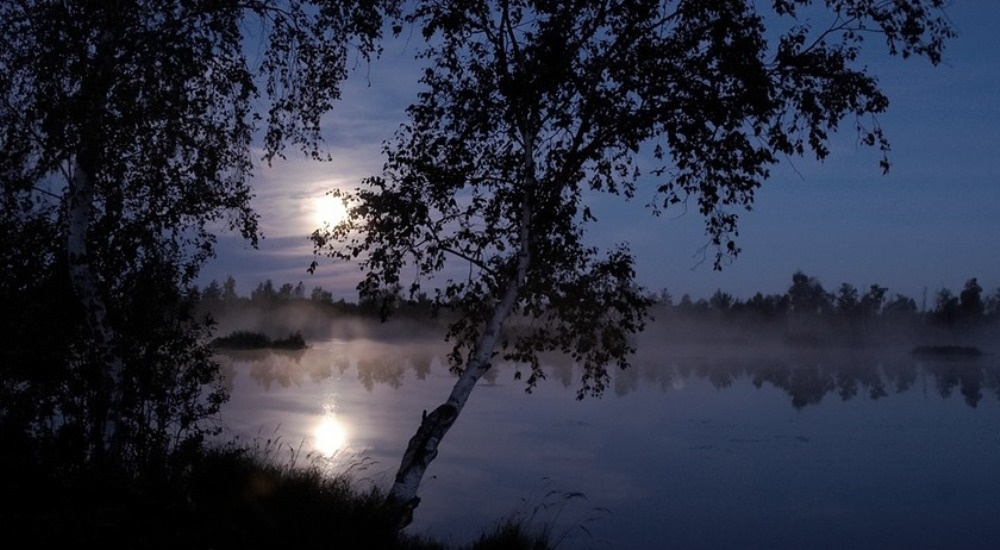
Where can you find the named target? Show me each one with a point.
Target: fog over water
(714, 438)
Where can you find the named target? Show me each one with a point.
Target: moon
(328, 210)
(329, 435)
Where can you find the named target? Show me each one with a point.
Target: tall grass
(551, 518)
(261, 494)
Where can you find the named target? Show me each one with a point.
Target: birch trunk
(105, 415)
(106, 411)
(423, 446)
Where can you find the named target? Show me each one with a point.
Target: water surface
(691, 448)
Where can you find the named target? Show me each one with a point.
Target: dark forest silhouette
(806, 315)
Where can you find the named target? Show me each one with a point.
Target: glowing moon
(329, 436)
(328, 210)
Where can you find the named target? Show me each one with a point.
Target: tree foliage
(530, 108)
(126, 142)
(543, 103)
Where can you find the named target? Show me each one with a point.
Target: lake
(693, 447)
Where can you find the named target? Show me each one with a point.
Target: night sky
(931, 223)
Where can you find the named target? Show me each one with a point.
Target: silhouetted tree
(320, 295)
(900, 310)
(212, 292)
(807, 297)
(125, 139)
(870, 305)
(721, 301)
(771, 306)
(285, 292)
(229, 293)
(264, 295)
(847, 301)
(991, 306)
(946, 310)
(970, 303)
(529, 106)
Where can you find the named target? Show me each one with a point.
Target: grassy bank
(228, 497)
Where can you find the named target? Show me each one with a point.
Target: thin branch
(45, 192)
(469, 259)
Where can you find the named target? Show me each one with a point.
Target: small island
(249, 340)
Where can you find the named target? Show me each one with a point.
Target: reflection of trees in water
(389, 366)
(375, 364)
(422, 364)
(806, 378)
(664, 377)
(383, 369)
(281, 370)
(284, 368)
(966, 377)
(806, 383)
(625, 381)
(560, 367)
(266, 366)
(901, 373)
(854, 376)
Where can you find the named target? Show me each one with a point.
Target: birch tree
(126, 133)
(528, 108)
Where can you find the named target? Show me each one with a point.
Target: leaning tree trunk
(423, 446)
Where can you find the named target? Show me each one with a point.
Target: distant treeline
(276, 311)
(217, 297)
(806, 298)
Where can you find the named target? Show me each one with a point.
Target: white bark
(84, 282)
(106, 415)
(423, 446)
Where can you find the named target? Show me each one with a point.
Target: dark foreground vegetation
(233, 496)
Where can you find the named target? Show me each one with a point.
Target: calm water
(728, 448)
